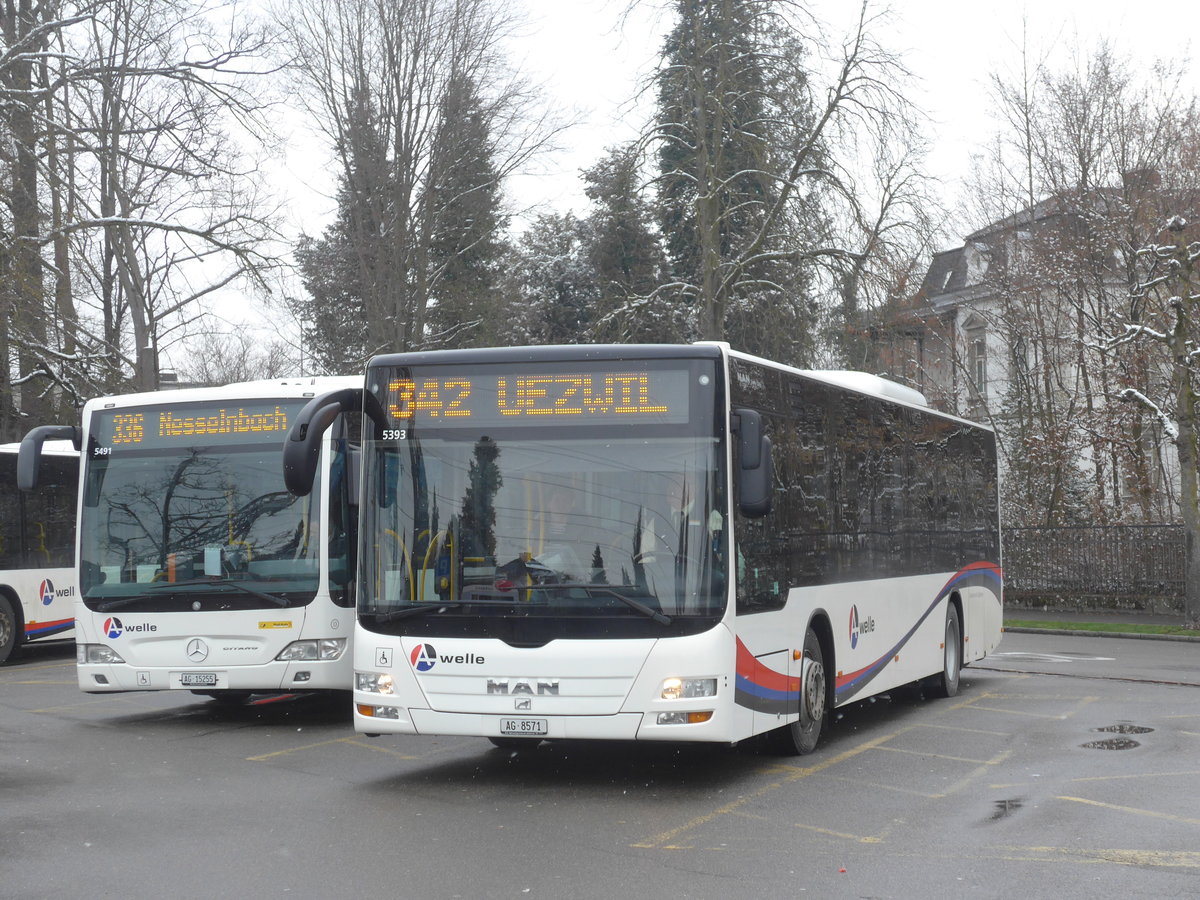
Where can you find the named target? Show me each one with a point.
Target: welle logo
(113, 628)
(48, 592)
(859, 627)
(424, 658)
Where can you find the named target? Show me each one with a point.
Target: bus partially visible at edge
(37, 546)
(197, 570)
(657, 542)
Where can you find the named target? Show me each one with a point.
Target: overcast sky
(589, 62)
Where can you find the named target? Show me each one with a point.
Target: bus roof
(271, 387)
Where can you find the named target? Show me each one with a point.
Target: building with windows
(1018, 327)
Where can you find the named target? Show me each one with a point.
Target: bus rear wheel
(801, 736)
(8, 628)
(945, 683)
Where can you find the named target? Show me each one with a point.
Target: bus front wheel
(801, 736)
(945, 683)
(8, 628)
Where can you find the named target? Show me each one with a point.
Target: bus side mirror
(29, 456)
(302, 448)
(756, 468)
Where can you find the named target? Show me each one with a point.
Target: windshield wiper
(209, 582)
(645, 610)
(422, 608)
(416, 610)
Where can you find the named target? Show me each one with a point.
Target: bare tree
(763, 175)
(1070, 192)
(135, 203)
(377, 76)
(169, 212)
(225, 357)
(1171, 293)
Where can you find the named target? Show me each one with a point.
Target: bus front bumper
(305, 675)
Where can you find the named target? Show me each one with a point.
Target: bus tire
(8, 627)
(801, 736)
(945, 683)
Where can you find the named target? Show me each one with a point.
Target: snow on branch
(1169, 426)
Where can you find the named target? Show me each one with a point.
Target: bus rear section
(37, 549)
(198, 570)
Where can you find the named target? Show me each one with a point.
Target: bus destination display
(449, 399)
(190, 424)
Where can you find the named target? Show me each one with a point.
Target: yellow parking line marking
(664, 840)
(1137, 812)
(1039, 697)
(1080, 701)
(959, 785)
(1019, 712)
(379, 748)
(896, 789)
(1162, 858)
(966, 730)
(1138, 775)
(353, 739)
(857, 838)
(277, 753)
(927, 755)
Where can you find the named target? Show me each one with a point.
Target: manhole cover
(1111, 744)
(1126, 729)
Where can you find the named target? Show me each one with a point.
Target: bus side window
(10, 518)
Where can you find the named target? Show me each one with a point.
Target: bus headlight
(686, 688)
(323, 648)
(373, 682)
(96, 654)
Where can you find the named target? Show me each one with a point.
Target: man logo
(112, 628)
(47, 591)
(423, 657)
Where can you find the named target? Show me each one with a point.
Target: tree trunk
(1185, 298)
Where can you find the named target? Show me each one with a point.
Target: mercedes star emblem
(197, 650)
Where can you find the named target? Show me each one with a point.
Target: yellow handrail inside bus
(435, 544)
(405, 556)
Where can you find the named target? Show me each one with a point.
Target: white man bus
(751, 546)
(197, 569)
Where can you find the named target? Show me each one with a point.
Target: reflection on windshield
(188, 517)
(563, 528)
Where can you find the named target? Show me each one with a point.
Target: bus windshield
(184, 507)
(532, 533)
